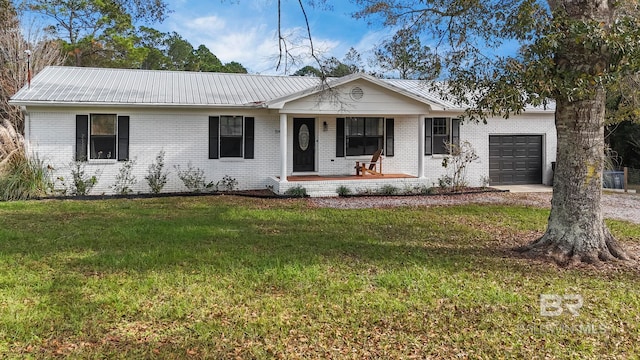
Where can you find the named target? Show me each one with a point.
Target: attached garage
(515, 159)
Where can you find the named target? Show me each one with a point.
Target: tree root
(553, 248)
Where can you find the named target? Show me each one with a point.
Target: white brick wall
(406, 154)
(183, 135)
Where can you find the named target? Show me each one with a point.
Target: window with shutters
(231, 136)
(364, 135)
(439, 133)
(102, 137)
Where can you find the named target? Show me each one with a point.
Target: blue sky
(245, 30)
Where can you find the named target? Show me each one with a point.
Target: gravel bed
(618, 206)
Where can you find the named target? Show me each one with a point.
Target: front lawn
(229, 277)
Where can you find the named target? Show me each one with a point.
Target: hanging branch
(284, 51)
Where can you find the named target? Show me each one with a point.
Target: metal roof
(57, 85)
(77, 85)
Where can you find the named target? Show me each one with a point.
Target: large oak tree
(571, 52)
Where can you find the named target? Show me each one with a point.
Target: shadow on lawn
(154, 235)
(233, 246)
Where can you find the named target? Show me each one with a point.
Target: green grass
(228, 277)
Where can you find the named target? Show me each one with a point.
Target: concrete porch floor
(347, 177)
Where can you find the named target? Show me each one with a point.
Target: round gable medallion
(357, 93)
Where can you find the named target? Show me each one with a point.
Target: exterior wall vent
(357, 93)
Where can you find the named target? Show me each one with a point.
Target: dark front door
(304, 145)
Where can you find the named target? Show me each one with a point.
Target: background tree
(13, 59)
(571, 52)
(622, 133)
(86, 26)
(308, 71)
(234, 67)
(405, 54)
(154, 41)
(179, 53)
(624, 139)
(170, 51)
(332, 67)
(205, 60)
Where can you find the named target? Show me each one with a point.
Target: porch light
(325, 126)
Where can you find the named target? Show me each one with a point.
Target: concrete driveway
(535, 188)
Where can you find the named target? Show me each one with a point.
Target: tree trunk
(576, 230)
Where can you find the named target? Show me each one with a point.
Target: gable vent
(357, 93)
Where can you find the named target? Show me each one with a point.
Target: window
(102, 136)
(231, 137)
(439, 132)
(364, 135)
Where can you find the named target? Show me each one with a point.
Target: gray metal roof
(73, 85)
(56, 85)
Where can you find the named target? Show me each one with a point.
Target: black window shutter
(214, 131)
(82, 137)
(123, 138)
(428, 129)
(249, 132)
(455, 132)
(388, 150)
(340, 137)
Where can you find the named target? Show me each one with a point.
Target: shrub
(25, 178)
(156, 177)
(343, 190)
(81, 182)
(485, 181)
(297, 191)
(21, 176)
(12, 146)
(125, 178)
(227, 184)
(426, 190)
(366, 191)
(460, 156)
(445, 181)
(419, 190)
(388, 190)
(194, 179)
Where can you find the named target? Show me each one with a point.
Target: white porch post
(421, 145)
(283, 148)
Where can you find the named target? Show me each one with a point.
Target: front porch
(327, 185)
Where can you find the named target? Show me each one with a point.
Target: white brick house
(261, 130)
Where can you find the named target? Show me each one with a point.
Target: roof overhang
(63, 104)
(333, 83)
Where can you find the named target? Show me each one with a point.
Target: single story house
(270, 131)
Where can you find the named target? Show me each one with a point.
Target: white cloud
(246, 32)
(206, 24)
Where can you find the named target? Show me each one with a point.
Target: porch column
(283, 148)
(421, 146)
